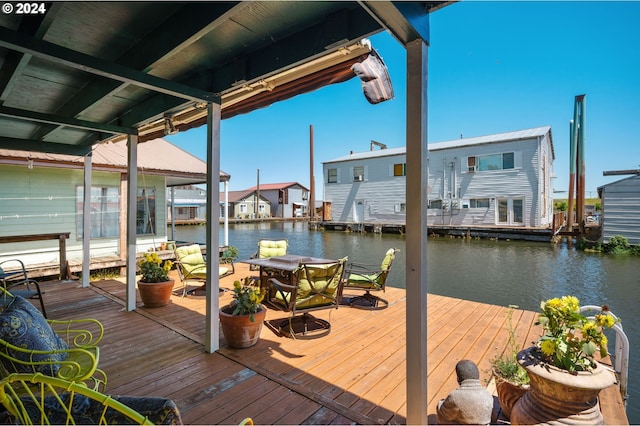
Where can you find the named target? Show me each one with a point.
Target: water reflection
(498, 272)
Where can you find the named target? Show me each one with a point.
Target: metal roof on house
(235, 196)
(456, 143)
(156, 157)
(275, 186)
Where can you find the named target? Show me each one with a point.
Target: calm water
(497, 272)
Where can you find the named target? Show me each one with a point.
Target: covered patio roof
(75, 74)
(78, 73)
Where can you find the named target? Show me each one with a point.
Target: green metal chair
(191, 266)
(269, 248)
(67, 349)
(37, 399)
(315, 286)
(369, 278)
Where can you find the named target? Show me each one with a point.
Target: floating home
(620, 206)
(42, 193)
(287, 199)
(498, 185)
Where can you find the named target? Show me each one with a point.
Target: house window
(146, 211)
(471, 164)
(504, 161)
(478, 203)
(243, 208)
(332, 176)
(400, 169)
(358, 173)
(434, 204)
(261, 208)
(508, 160)
(400, 207)
(105, 212)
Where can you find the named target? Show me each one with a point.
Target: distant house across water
(288, 199)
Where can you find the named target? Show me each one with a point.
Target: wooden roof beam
(183, 28)
(65, 121)
(61, 55)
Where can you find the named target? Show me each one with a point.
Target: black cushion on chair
(23, 325)
(85, 410)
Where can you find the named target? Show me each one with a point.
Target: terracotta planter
(238, 330)
(557, 396)
(155, 295)
(508, 394)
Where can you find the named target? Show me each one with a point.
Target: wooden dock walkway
(356, 374)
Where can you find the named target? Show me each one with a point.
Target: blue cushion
(22, 325)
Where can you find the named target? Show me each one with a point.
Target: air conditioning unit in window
(358, 178)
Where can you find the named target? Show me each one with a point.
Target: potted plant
(512, 380)
(155, 286)
(242, 319)
(565, 376)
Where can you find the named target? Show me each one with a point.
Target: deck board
(355, 374)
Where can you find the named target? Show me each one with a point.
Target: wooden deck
(356, 374)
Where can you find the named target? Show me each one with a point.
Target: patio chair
(37, 399)
(67, 349)
(191, 266)
(269, 248)
(315, 286)
(13, 276)
(369, 278)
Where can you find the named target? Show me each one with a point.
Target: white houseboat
(620, 206)
(499, 183)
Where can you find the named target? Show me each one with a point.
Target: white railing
(620, 356)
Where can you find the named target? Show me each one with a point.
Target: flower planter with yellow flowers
(565, 379)
(242, 319)
(154, 286)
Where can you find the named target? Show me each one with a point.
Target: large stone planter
(557, 396)
(155, 295)
(238, 330)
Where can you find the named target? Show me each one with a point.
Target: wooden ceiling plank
(173, 35)
(15, 62)
(57, 54)
(406, 21)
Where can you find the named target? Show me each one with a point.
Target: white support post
(226, 212)
(132, 192)
(173, 213)
(86, 221)
(212, 339)
(416, 243)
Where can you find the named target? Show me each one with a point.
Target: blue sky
(493, 67)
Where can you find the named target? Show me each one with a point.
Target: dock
(354, 375)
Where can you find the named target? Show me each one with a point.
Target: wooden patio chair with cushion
(37, 399)
(13, 276)
(315, 286)
(269, 248)
(369, 278)
(67, 349)
(191, 266)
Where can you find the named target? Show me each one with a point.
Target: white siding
(380, 190)
(620, 207)
(450, 182)
(43, 200)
